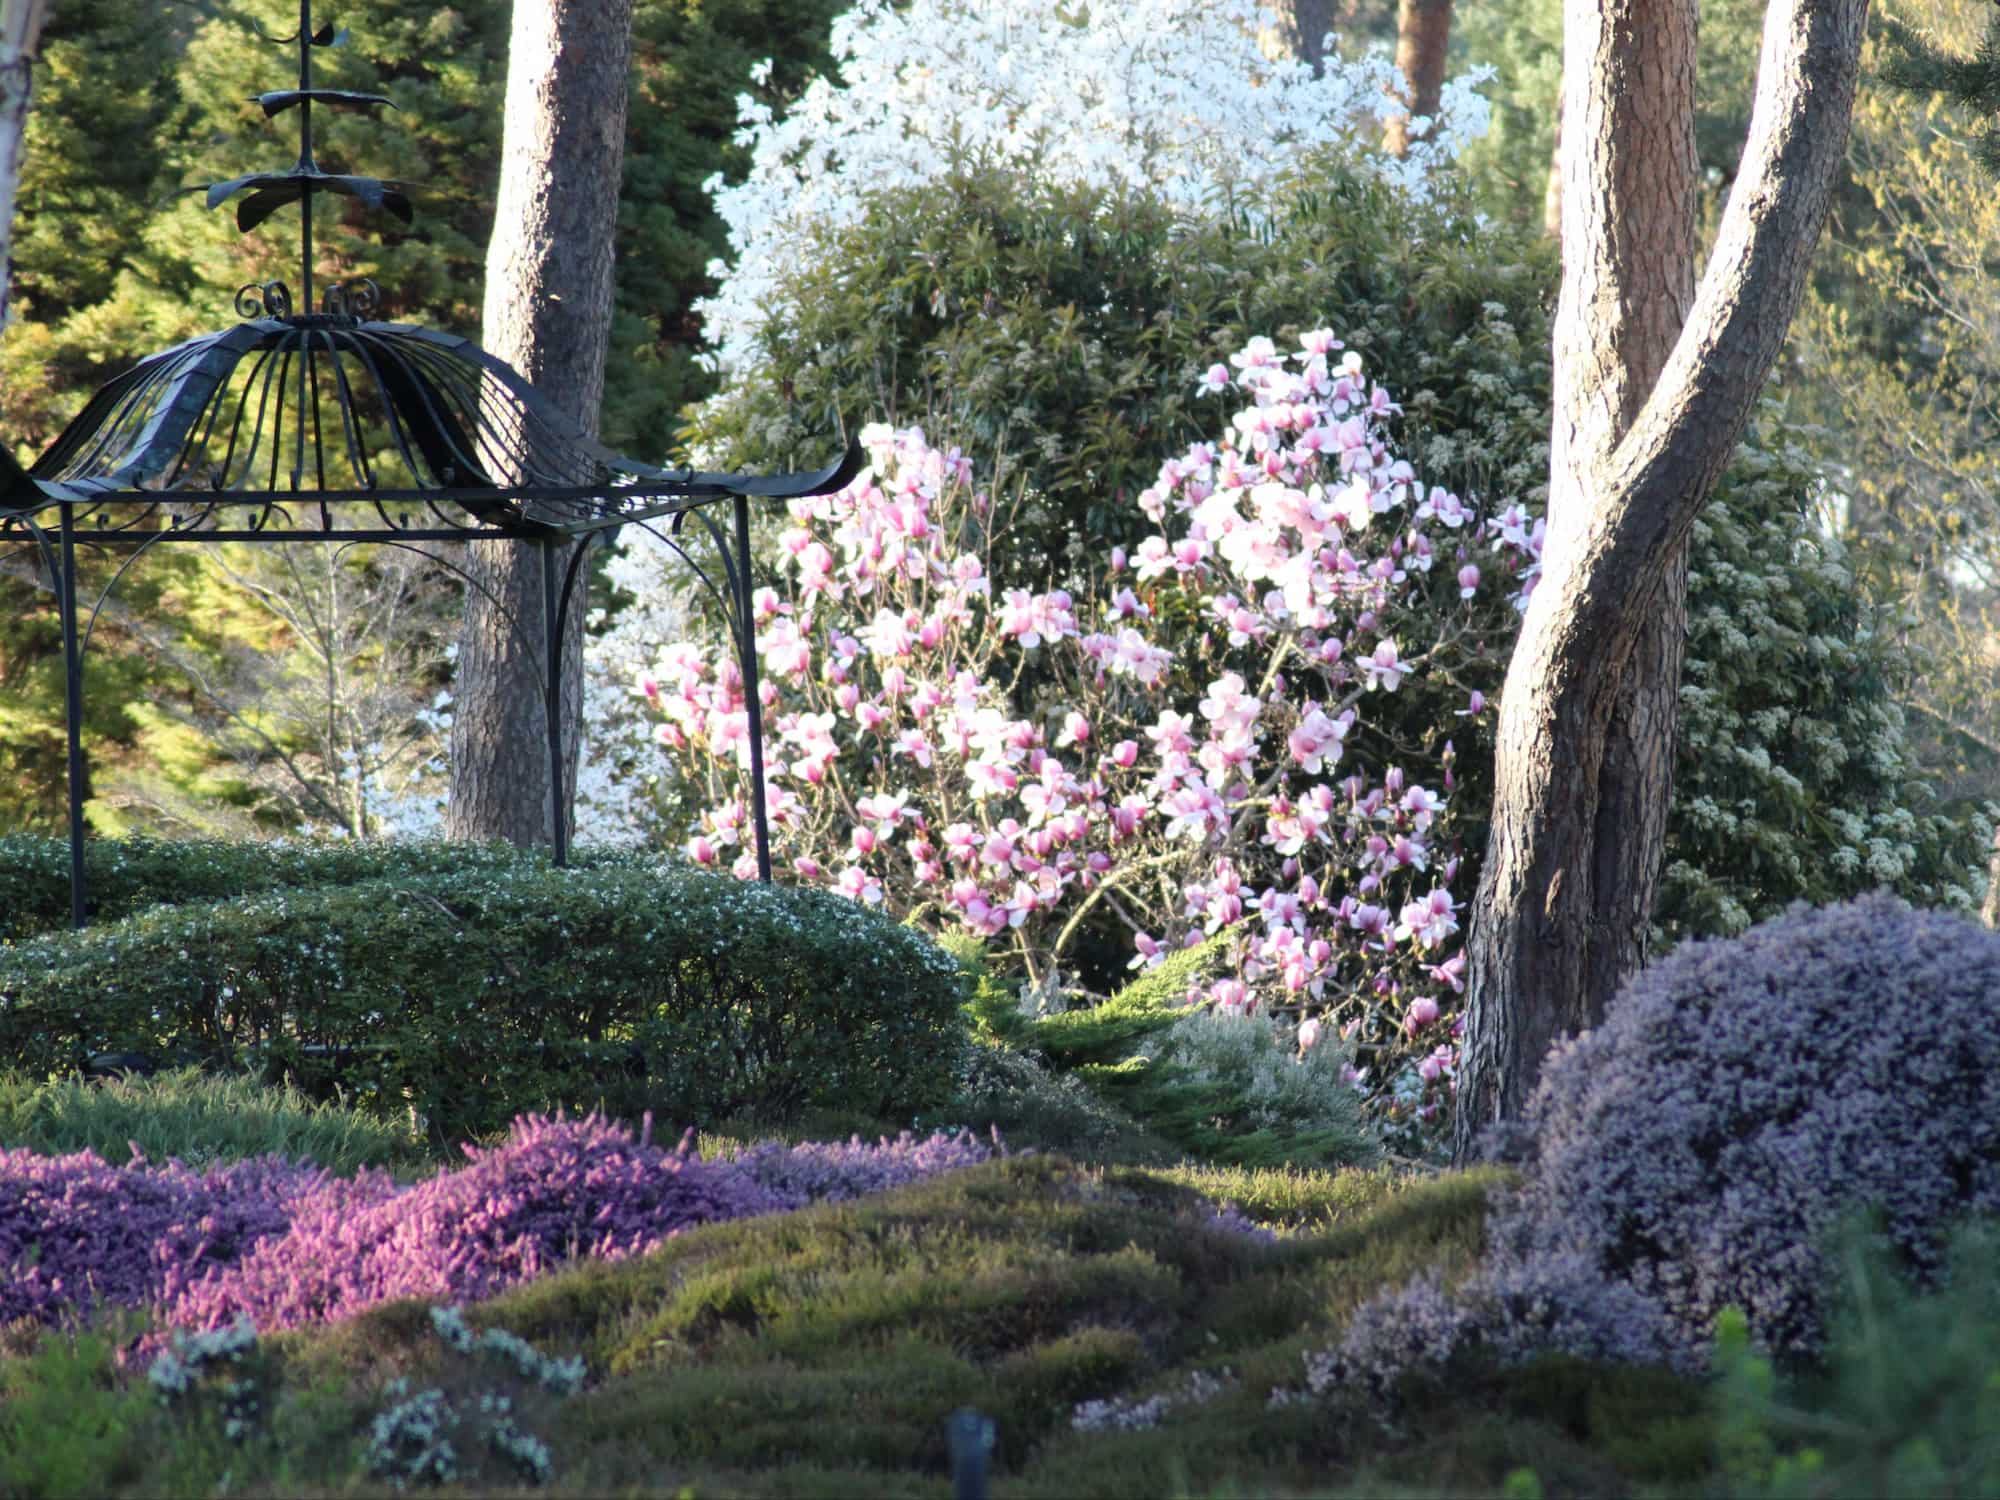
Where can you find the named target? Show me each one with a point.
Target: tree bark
(1584, 739)
(1298, 29)
(547, 313)
(1627, 288)
(20, 33)
(1423, 31)
(1552, 187)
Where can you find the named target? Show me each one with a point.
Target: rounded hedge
(128, 875)
(475, 996)
(1744, 1095)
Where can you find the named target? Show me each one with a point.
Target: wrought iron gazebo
(304, 424)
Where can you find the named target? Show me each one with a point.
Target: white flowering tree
(1173, 96)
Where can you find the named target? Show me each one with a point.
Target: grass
(199, 1119)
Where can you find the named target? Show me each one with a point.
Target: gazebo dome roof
(303, 421)
(423, 429)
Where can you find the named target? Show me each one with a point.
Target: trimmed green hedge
(125, 876)
(473, 996)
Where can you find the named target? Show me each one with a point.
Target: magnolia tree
(1173, 96)
(1219, 740)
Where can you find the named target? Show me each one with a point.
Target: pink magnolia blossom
(1234, 653)
(1384, 668)
(1430, 921)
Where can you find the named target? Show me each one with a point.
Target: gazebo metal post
(172, 451)
(746, 648)
(552, 644)
(65, 583)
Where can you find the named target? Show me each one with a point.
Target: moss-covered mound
(1121, 1339)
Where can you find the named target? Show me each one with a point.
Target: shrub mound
(287, 1244)
(1225, 1088)
(125, 876)
(555, 1190)
(471, 999)
(833, 1172)
(1509, 1311)
(1744, 1094)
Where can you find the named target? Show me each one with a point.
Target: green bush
(1058, 332)
(1227, 1089)
(1217, 1088)
(1796, 776)
(471, 997)
(125, 876)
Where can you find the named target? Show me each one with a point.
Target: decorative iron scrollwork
(359, 298)
(266, 299)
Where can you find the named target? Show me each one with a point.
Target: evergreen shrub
(1906, 1403)
(198, 1118)
(124, 876)
(1058, 332)
(1220, 1087)
(1743, 1095)
(470, 997)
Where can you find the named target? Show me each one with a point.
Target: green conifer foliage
(115, 259)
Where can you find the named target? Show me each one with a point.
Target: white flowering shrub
(222, 1363)
(413, 1439)
(1172, 96)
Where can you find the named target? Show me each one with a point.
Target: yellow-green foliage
(198, 1119)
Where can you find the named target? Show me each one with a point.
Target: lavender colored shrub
(1508, 1311)
(76, 1231)
(553, 1191)
(829, 1172)
(1742, 1095)
(286, 1244)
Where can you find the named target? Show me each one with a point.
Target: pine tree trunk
(1552, 186)
(1638, 441)
(548, 313)
(1298, 29)
(1989, 911)
(20, 32)
(1423, 31)
(1627, 289)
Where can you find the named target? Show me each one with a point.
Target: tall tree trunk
(20, 33)
(548, 313)
(1423, 31)
(1584, 745)
(1298, 28)
(1552, 186)
(1626, 290)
